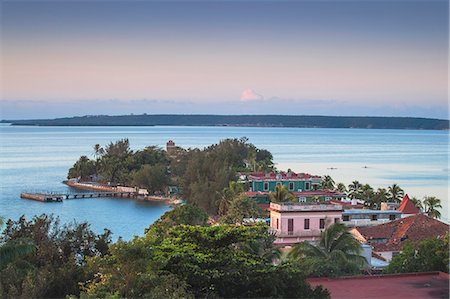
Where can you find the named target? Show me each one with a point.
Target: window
(306, 223)
(290, 227)
(266, 186)
(302, 199)
(345, 218)
(277, 224)
(322, 223)
(291, 186)
(307, 186)
(374, 217)
(336, 220)
(392, 217)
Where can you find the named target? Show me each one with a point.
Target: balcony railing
(304, 207)
(296, 233)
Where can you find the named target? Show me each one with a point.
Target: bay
(37, 159)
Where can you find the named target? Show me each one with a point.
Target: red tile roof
(393, 286)
(303, 193)
(407, 206)
(255, 176)
(414, 228)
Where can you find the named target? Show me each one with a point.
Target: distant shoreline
(275, 121)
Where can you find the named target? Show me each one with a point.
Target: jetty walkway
(59, 197)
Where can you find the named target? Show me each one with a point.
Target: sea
(37, 159)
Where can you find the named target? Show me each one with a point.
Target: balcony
(304, 207)
(296, 234)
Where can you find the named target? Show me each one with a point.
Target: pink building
(297, 222)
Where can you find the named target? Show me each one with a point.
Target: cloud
(249, 95)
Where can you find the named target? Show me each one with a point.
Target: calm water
(37, 158)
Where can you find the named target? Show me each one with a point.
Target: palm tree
(281, 194)
(418, 203)
(228, 194)
(380, 196)
(395, 193)
(336, 246)
(431, 204)
(341, 188)
(327, 182)
(354, 189)
(98, 151)
(367, 194)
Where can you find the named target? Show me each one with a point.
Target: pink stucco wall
(299, 233)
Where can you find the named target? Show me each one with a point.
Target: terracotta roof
(407, 206)
(414, 228)
(255, 176)
(392, 286)
(303, 193)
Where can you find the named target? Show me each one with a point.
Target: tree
(228, 194)
(241, 208)
(328, 183)
(214, 263)
(341, 188)
(152, 177)
(57, 264)
(83, 169)
(418, 203)
(354, 190)
(377, 198)
(98, 151)
(14, 249)
(337, 253)
(281, 194)
(395, 193)
(186, 214)
(428, 255)
(431, 204)
(119, 149)
(367, 194)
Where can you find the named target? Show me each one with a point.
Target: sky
(369, 57)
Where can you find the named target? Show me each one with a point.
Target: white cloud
(250, 95)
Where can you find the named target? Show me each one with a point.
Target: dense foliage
(180, 256)
(197, 261)
(58, 262)
(428, 255)
(201, 174)
(118, 164)
(209, 171)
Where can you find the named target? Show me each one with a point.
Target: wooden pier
(59, 197)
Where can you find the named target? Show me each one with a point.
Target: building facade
(296, 222)
(366, 217)
(304, 186)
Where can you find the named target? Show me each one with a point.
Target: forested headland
(297, 121)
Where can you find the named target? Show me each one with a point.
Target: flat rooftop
(393, 286)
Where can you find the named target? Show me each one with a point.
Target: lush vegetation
(54, 260)
(302, 121)
(202, 174)
(427, 255)
(179, 256)
(337, 253)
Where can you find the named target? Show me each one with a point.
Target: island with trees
(295, 121)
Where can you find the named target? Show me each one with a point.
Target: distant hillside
(299, 121)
